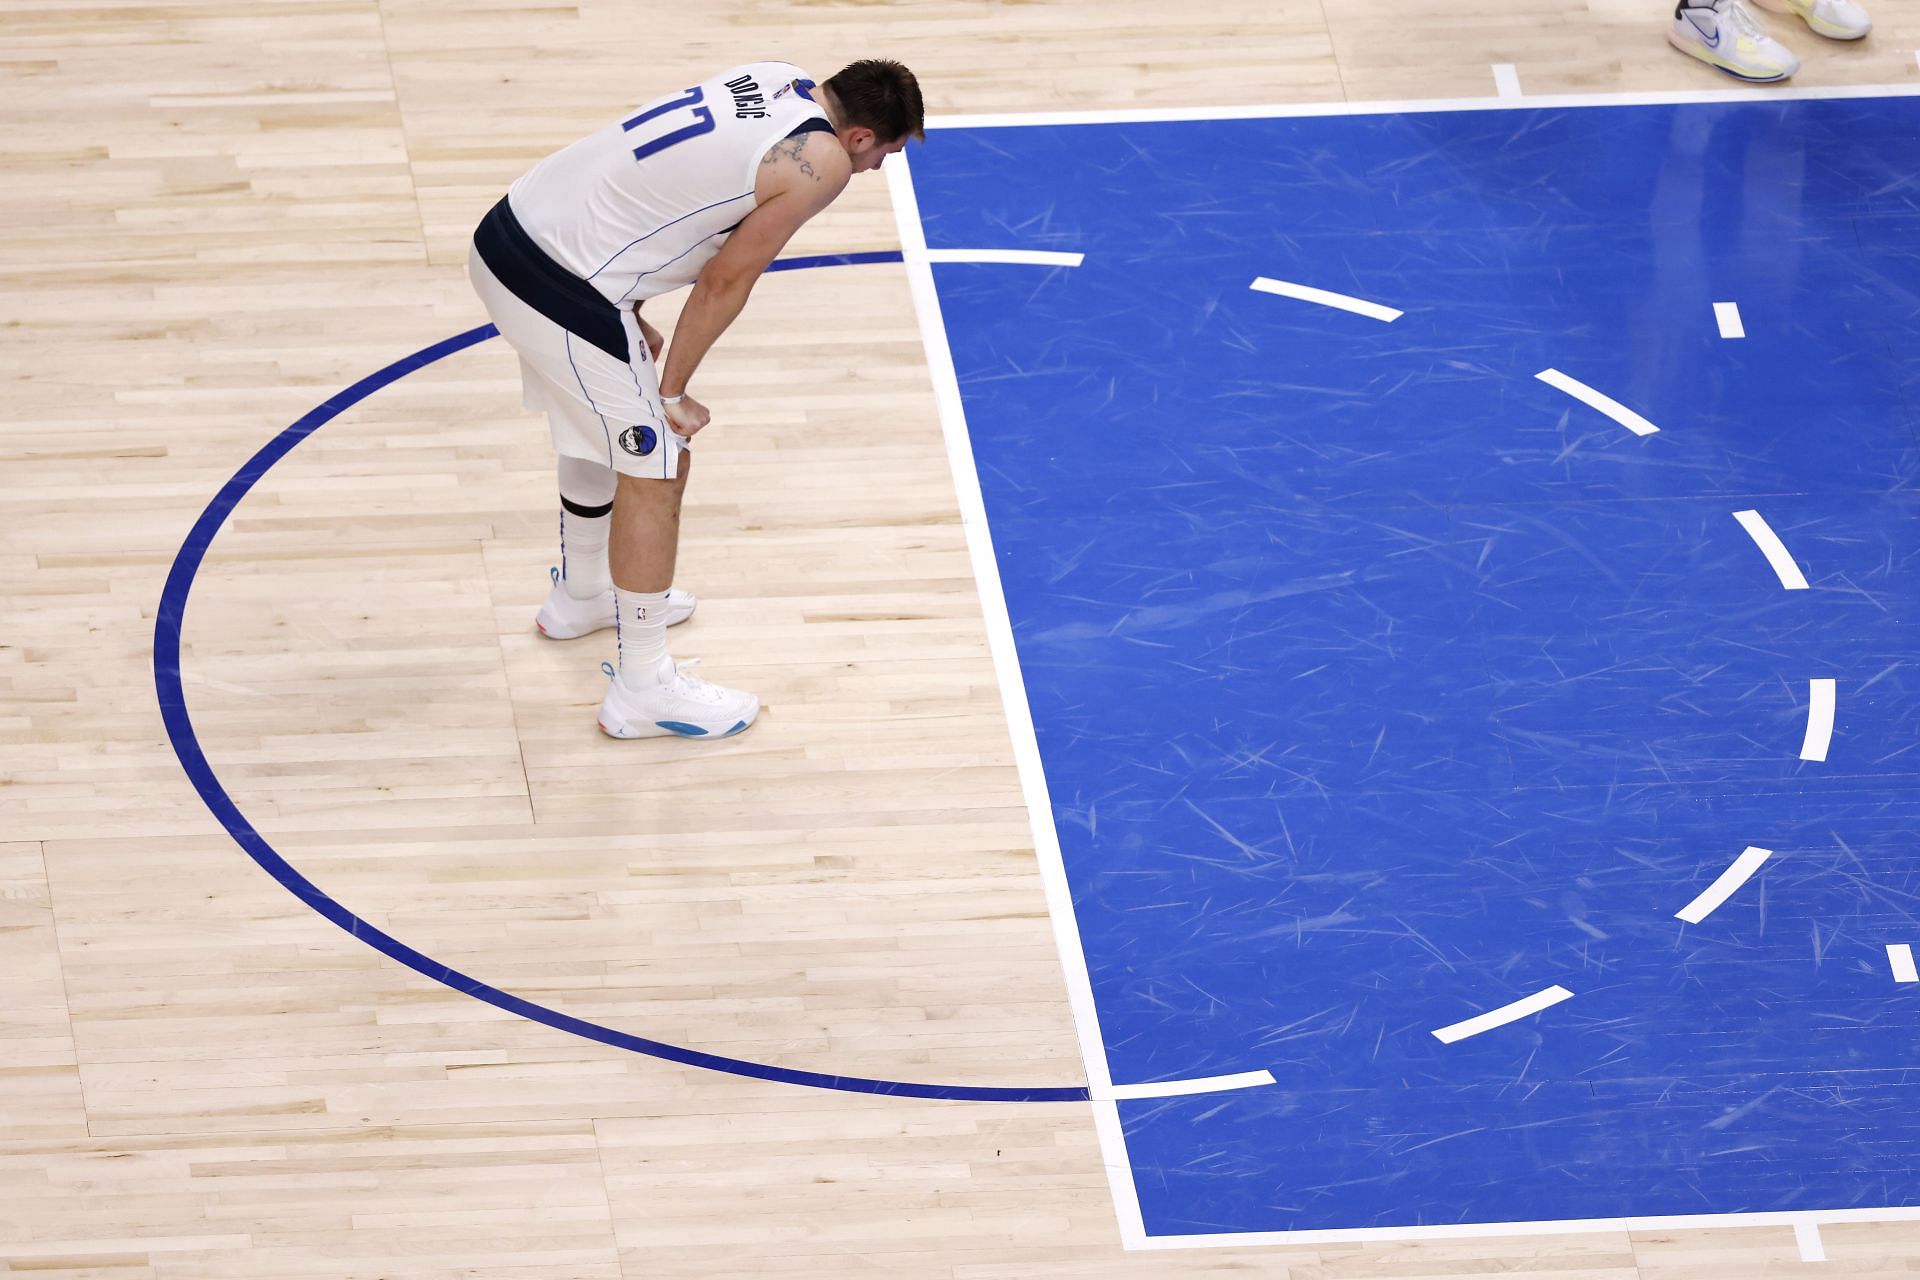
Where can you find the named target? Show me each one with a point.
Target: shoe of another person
(564, 618)
(1834, 19)
(1726, 36)
(681, 705)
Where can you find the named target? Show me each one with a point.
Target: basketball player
(1723, 34)
(699, 187)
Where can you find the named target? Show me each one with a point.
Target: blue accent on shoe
(683, 729)
(736, 728)
(607, 667)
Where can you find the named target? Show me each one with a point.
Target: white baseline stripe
(1016, 257)
(1723, 887)
(1300, 110)
(1606, 404)
(1503, 1015)
(1553, 1227)
(1900, 956)
(1820, 700)
(1120, 1184)
(1359, 306)
(1506, 81)
(1013, 698)
(1773, 549)
(1182, 1088)
(1727, 316)
(1807, 1236)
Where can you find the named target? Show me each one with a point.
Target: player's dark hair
(880, 95)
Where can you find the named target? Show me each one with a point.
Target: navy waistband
(543, 284)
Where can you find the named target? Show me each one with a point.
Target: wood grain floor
(216, 216)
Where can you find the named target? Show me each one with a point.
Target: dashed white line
(1503, 1015)
(1606, 404)
(1341, 301)
(1724, 886)
(1900, 956)
(1506, 81)
(1727, 316)
(1820, 704)
(1181, 1088)
(1773, 549)
(1014, 257)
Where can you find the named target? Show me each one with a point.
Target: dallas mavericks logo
(639, 441)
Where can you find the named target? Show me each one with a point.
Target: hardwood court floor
(219, 215)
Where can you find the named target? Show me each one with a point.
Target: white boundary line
(1013, 697)
(1525, 1007)
(1727, 316)
(1807, 1236)
(1325, 298)
(1724, 885)
(1294, 111)
(1900, 956)
(1185, 1088)
(1604, 403)
(1560, 1227)
(1015, 257)
(1773, 549)
(1506, 80)
(1106, 1114)
(1820, 706)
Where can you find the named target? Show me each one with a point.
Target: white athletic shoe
(564, 618)
(682, 705)
(1834, 19)
(1728, 37)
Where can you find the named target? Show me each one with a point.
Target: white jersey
(637, 208)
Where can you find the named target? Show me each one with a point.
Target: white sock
(640, 628)
(583, 552)
(586, 518)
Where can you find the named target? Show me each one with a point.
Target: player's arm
(797, 179)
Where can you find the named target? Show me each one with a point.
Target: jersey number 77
(702, 123)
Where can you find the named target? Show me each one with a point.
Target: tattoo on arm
(790, 148)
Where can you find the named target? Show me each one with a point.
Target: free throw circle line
(169, 687)
(1593, 399)
(1820, 708)
(1773, 549)
(1325, 298)
(1522, 1008)
(1724, 885)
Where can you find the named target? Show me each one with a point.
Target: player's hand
(687, 416)
(655, 343)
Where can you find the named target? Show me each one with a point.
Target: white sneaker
(564, 618)
(1728, 37)
(682, 705)
(1834, 19)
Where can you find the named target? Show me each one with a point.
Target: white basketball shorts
(599, 408)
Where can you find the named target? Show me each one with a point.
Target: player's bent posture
(699, 187)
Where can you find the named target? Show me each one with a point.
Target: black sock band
(573, 508)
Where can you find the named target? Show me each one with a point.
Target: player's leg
(652, 695)
(1723, 34)
(577, 386)
(581, 601)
